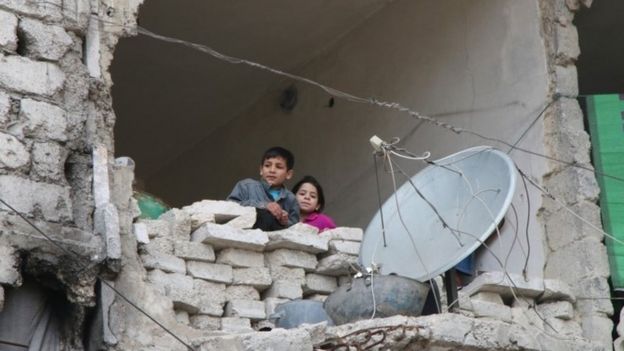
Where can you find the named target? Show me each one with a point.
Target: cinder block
(555, 289)
(5, 107)
(223, 236)
(291, 258)
(210, 271)
(164, 281)
(13, 154)
(317, 297)
(488, 297)
(317, 283)
(40, 120)
(31, 77)
(52, 201)
(179, 223)
(296, 239)
(343, 246)
(204, 322)
(286, 273)
(344, 280)
(336, 264)
(204, 298)
(254, 310)
(241, 292)
(560, 309)
(157, 228)
(343, 233)
(164, 262)
(491, 310)
(8, 31)
(194, 251)
(240, 258)
(284, 289)
(43, 41)
(159, 244)
(236, 325)
(221, 212)
(258, 277)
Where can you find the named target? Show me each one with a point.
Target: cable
(76, 256)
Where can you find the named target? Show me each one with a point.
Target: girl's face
(307, 196)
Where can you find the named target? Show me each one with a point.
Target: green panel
(606, 126)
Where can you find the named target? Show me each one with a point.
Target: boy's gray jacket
(251, 192)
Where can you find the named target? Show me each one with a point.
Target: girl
(311, 201)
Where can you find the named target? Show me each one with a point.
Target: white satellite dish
(471, 192)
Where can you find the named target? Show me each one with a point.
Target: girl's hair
(319, 189)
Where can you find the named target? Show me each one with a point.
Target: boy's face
(274, 171)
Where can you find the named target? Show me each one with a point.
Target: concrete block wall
(225, 276)
(576, 254)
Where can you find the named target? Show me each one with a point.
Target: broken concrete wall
(54, 110)
(576, 253)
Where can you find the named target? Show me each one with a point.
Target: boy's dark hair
(278, 151)
(317, 185)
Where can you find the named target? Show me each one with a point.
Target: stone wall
(576, 253)
(54, 112)
(229, 277)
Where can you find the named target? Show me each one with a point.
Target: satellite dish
(467, 194)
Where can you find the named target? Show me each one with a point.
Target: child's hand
(275, 209)
(283, 219)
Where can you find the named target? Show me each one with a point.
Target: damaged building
(102, 98)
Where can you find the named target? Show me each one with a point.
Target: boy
(276, 206)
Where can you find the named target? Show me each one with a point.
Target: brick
(491, 310)
(223, 236)
(560, 309)
(221, 212)
(8, 31)
(165, 262)
(160, 245)
(236, 325)
(210, 271)
(179, 223)
(49, 161)
(241, 292)
(194, 251)
(43, 41)
(204, 322)
(567, 81)
(336, 264)
(343, 233)
(568, 49)
(317, 283)
(41, 120)
(258, 277)
(284, 289)
(343, 246)
(240, 258)
(164, 281)
(106, 225)
(271, 303)
(291, 258)
(13, 153)
(25, 76)
(555, 289)
(156, 227)
(295, 239)
(51, 200)
(254, 310)
(286, 273)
